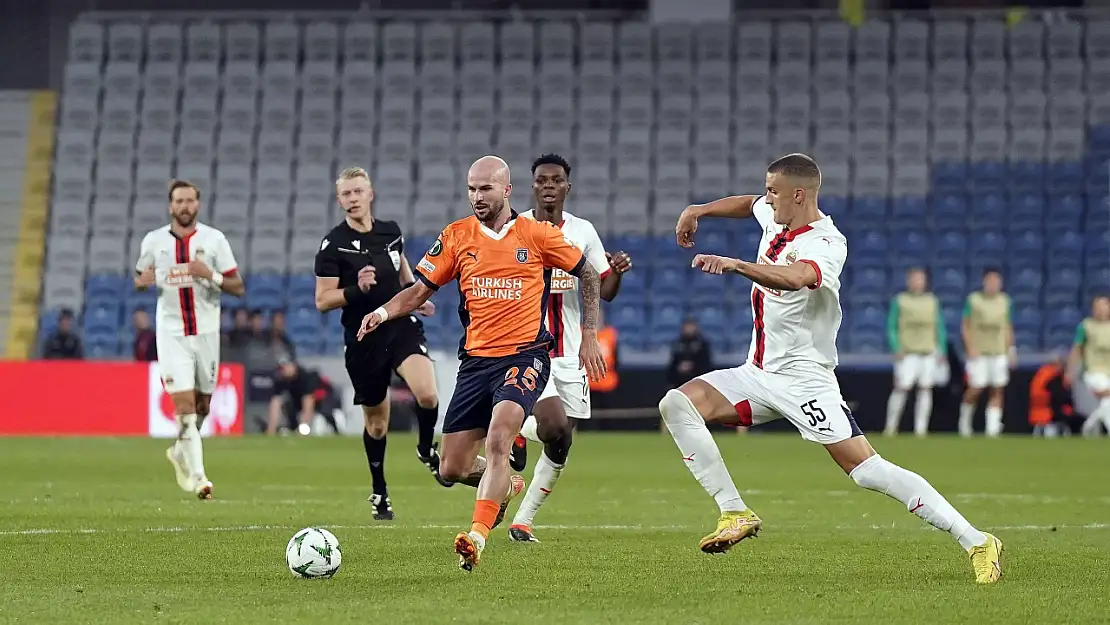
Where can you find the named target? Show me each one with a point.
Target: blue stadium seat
(869, 208)
(1026, 206)
(634, 244)
(1063, 318)
(1024, 286)
(713, 320)
(101, 344)
(989, 211)
(1097, 178)
(871, 247)
(1027, 177)
(990, 247)
(1027, 338)
(1098, 243)
(1024, 245)
(1099, 142)
(1027, 316)
(628, 317)
(953, 317)
(101, 320)
(1067, 211)
(666, 320)
(867, 341)
(300, 291)
(950, 283)
(950, 210)
(870, 278)
(664, 278)
(747, 241)
(1065, 177)
(713, 242)
(1066, 245)
(988, 177)
(949, 247)
(909, 243)
(950, 177)
(835, 206)
(909, 212)
(266, 291)
(1097, 282)
(416, 246)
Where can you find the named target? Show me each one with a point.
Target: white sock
(189, 441)
(530, 430)
(699, 450)
(918, 496)
(894, 406)
(967, 411)
(544, 477)
(922, 411)
(1100, 416)
(994, 421)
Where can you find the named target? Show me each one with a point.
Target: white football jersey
(793, 326)
(564, 309)
(186, 305)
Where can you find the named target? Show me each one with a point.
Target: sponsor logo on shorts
(537, 364)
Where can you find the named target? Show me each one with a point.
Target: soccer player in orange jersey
(503, 267)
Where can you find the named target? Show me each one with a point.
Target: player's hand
(590, 358)
(898, 355)
(197, 269)
(369, 323)
(427, 309)
(687, 226)
(971, 352)
(715, 264)
(367, 277)
(620, 263)
(146, 279)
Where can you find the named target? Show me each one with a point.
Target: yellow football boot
(732, 527)
(986, 560)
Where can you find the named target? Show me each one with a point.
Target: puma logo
(690, 458)
(473, 255)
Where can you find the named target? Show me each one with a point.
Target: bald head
(490, 167)
(488, 186)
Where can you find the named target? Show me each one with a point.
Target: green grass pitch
(96, 531)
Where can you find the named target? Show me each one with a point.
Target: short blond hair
(351, 173)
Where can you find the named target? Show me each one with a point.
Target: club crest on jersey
(791, 257)
(521, 255)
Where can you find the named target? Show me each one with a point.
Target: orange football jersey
(504, 280)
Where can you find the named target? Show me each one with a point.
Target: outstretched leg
(553, 428)
(858, 459)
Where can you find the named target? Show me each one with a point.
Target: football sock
(994, 421)
(894, 407)
(485, 514)
(375, 456)
(190, 444)
(543, 481)
(919, 497)
(922, 411)
(530, 430)
(426, 428)
(699, 450)
(967, 411)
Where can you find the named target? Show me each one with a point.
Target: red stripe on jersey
(758, 297)
(555, 322)
(186, 296)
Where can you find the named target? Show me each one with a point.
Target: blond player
(989, 344)
(915, 329)
(1091, 353)
(190, 264)
(789, 372)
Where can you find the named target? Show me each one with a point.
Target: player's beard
(185, 219)
(491, 212)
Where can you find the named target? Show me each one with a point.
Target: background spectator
(64, 344)
(690, 355)
(146, 347)
(299, 395)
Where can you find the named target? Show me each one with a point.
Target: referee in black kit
(360, 266)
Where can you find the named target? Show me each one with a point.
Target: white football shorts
(1097, 382)
(570, 384)
(915, 371)
(988, 372)
(189, 363)
(808, 395)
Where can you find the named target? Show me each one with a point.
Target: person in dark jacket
(690, 355)
(146, 345)
(64, 344)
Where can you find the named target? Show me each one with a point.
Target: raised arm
(732, 207)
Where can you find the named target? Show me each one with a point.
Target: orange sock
(485, 513)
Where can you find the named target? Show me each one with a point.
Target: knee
(452, 469)
(559, 434)
(185, 403)
(674, 406)
(426, 398)
(204, 406)
(377, 421)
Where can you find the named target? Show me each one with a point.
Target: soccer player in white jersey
(789, 371)
(567, 393)
(190, 264)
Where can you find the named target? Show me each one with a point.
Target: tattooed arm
(589, 284)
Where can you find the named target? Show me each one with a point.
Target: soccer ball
(313, 553)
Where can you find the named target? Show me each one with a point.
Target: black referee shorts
(372, 361)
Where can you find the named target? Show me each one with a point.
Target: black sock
(426, 428)
(375, 455)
